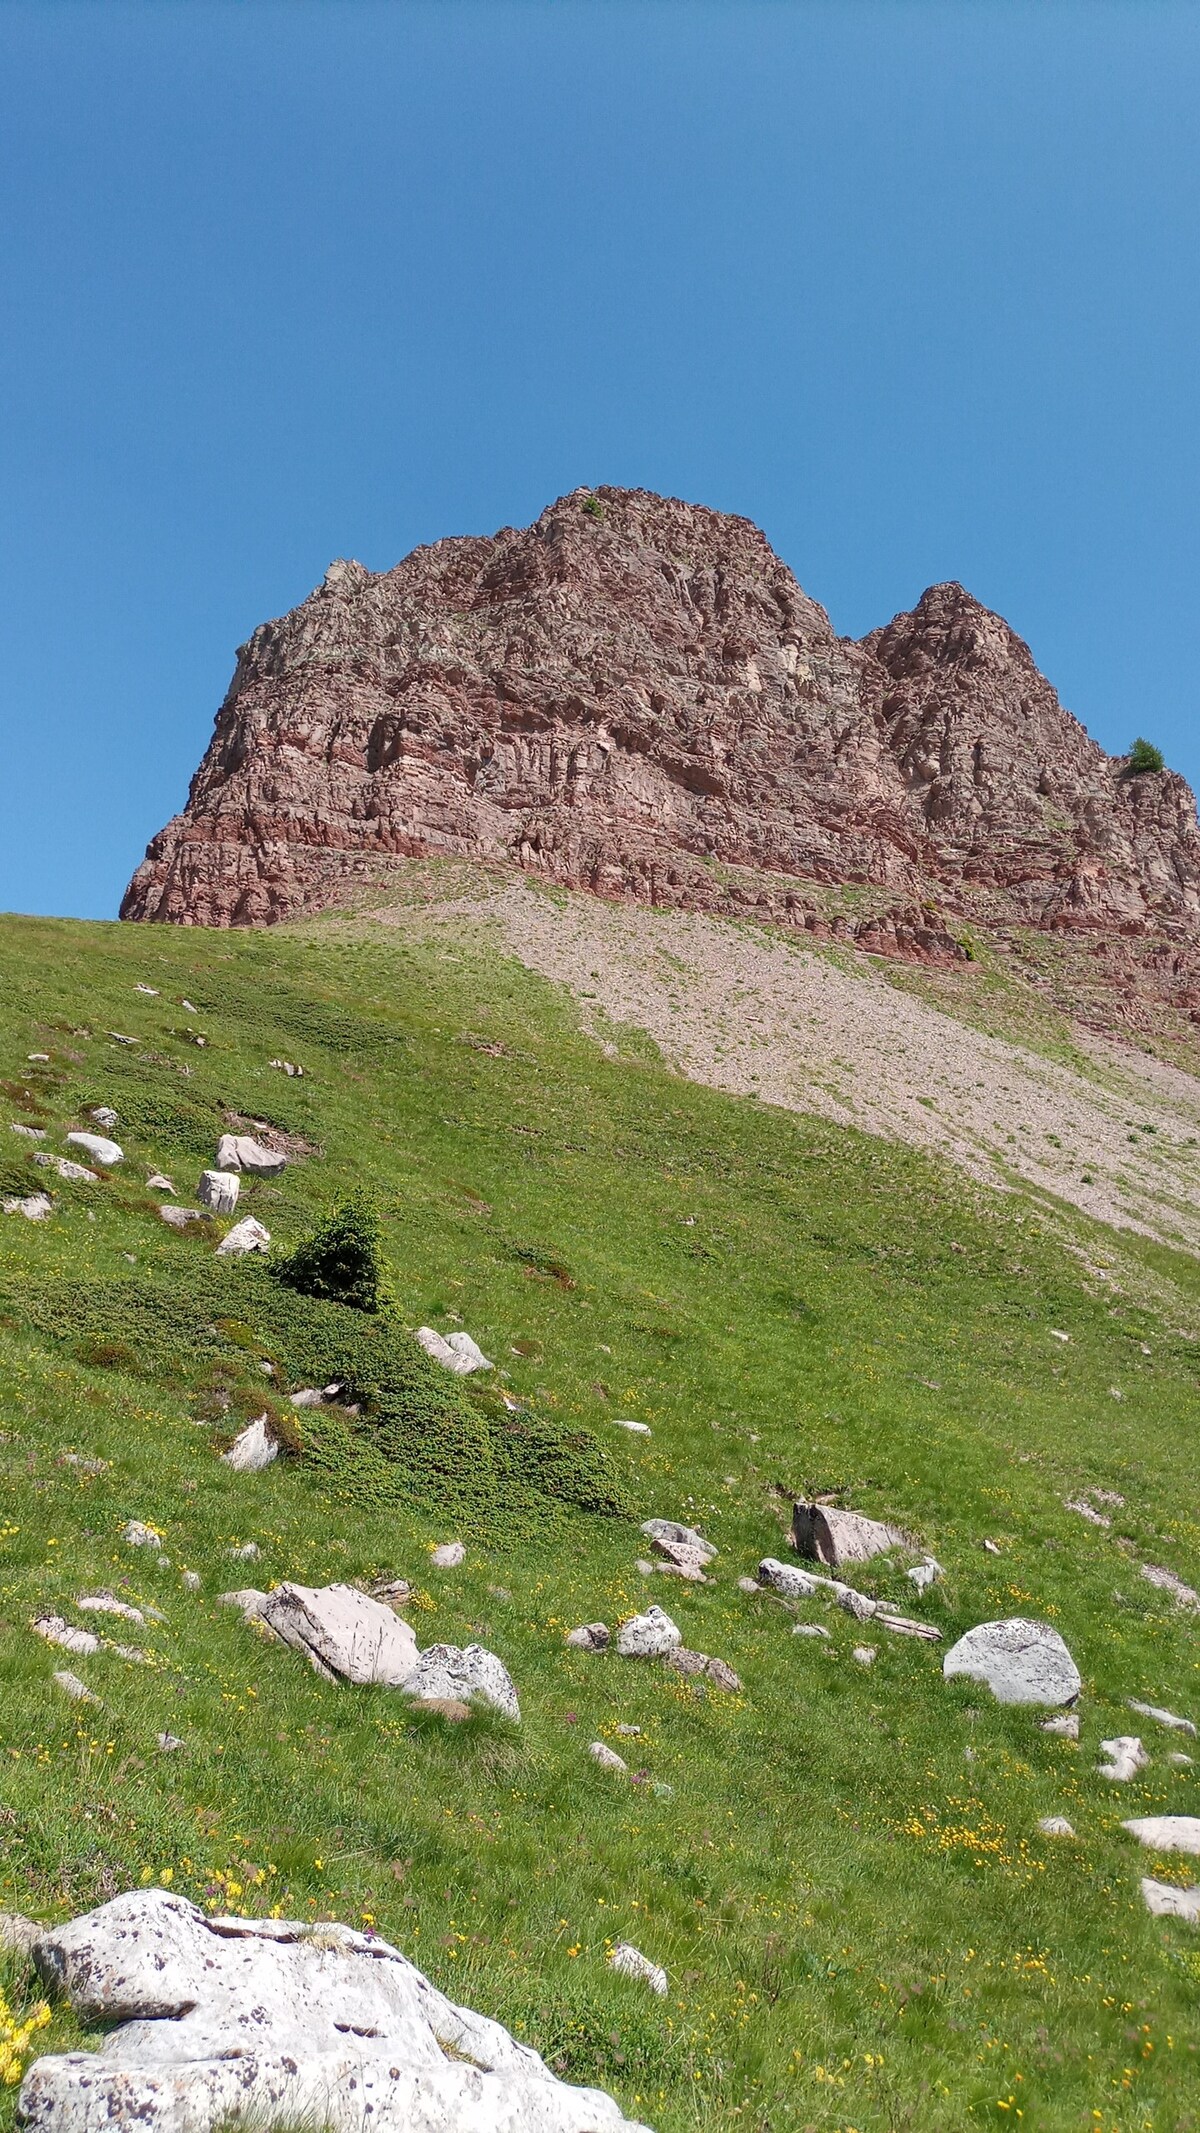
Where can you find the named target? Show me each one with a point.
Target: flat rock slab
(1019, 1661)
(826, 1535)
(1166, 1901)
(343, 1633)
(240, 1151)
(271, 2022)
(101, 1150)
(671, 1539)
(1162, 1718)
(1167, 1833)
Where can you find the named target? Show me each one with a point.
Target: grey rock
(1055, 1826)
(827, 1535)
(1086, 1510)
(448, 1555)
(589, 1637)
(56, 1631)
(648, 1636)
(635, 1429)
(608, 1758)
(137, 1535)
(30, 1133)
(1125, 1757)
(1165, 1901)
(444, 1672)
(1066, 1727)
(668, 1533)
(192, 1580)
(106, 1603)
(1179, 1760)
(72, 1686)
(1167, 1833)
(219, 1190)
(248, 1235)
(169, 1743)
(683, 1661)
(240, 1151)
(865, 1654)
(273, 2022)
(455, 1351)
(249, 1552)
(104, 1115)
(156, 1182)
(1163, 1718)
(253, 1449)
(343, 1632)
(102, 1151)
(1166, 1581)
(925, 1574)
(808, 1629)
(70, 1173)
(35, 1206)
(1020, 1661)
(248, 1601)
(629, 1961)
(183, 1217)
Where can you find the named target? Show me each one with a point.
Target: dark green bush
(340, 1264)
(1144, 756)
(593, 506)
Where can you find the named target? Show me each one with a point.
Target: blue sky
(914, 286)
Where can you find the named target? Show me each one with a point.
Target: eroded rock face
(277, 2023)
(615, 696)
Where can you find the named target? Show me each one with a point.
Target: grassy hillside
(840, 1867)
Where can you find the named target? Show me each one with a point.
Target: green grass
(861, 1925)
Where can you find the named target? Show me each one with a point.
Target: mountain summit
(635, 696)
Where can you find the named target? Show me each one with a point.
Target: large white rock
(1166, 1581)
(245, 1236)
(454, 1351)
(1124, 1757)
(219, 1190)
(102, 1151)
(648, 1636)
(252, 1450)
(240, 1151)
(1166, 1901)
(827, 1535)
(1020, 1662)
(1167, 1833)
(271, 2022)
(342, 1633)
(447, 1674)
(34, 1206)
(70, 1173)
(56, 1631)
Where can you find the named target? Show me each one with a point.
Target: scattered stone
(1066, 1727)
(286, 1066)
(169, 1743)
(630, 1732)
(636, 1429)
(82, 1465)
(1055, 1335)
(219, 1190)
(827, 1535)
(499, 1592)
(253, 1449)
(1021, 1662)
(1163, 1718)
(1166, 1901)
(183, 1217)
(865, 1654)
(1109, 1496)
(648, 1636)
(394, 1592)
(590, 1637)
(103, 1115)
(905, 1626)
(667, 1533)
(248, 1235)
(808, 1629)
(925, 1574)
(249, 1552)
(35, 1206)
(992, 1547)
(56, 1631)
(1167, 1833)
(189, 1007)
(102, 1151)
(240, 1151)
(72, 1686)
(156, 1182)
(448, 1555)
(789, 1581)
(457, 1351)
(749, 1585)
(106, 1603)
(151, 991)
(444, 1670)
(343, 1633)
(699, 1663)
(1055, 1826)
(681, 1562)
(1180, 1760)
(38, 1058)
(858, 1604)
(70, 1173)
(191, 1579)
(308, 1396)
(1167, 1581)
(629, 1961)
(1126, 1756)
(277, 2023)
(608, 1758)
(1086, 1510)
(135, 1656)
(645, 1569)
(31, 1133)
(136, 1535)
(17, 1934)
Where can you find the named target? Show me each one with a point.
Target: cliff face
(634, 695)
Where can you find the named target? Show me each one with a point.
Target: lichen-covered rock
(269, 2022)
(1020, 1662)
(445, 1673)
(343, 1633)
(648, 1636)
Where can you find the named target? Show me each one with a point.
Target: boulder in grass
(276, 2022)
(254, 1449)
(445, 1672)
(102, 1151)
(240, 1151)
(1124, 1757)
(1055, 1826)
(248, 1601)
(72, 1686)
(56, 1631)
(183, 1217)
(629, 1961)
(156, 1182)
(31, 1133)
(448, 1555)
(667, 1535)
(699, 1664)
(608, 1758)
(454, 1351)
(1167, 1833)
(245, 1236)
(343, 1633)
(648, 1636)
(18, 1935)
(1161, 1717)
(70, 1173)
(35, 1206)
(1165, 1901)
(826, 1534)
(589, 1637)
(137, 1535)
(1166, 1581)
(1019, 1661)
(103, 1115)
(219, 1190)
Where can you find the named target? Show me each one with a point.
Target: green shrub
(1144, 756)
(593, 506)
(340, 1264)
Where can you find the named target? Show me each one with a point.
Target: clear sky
(914, 286)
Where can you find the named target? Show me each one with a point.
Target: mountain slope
(861, 1923)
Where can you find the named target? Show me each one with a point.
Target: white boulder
(454, 1351)
(648, 1636)
(1167, 1833)
(1161, 1717)
(1019, 1661)
(72, 1686)
(103, 1115)
(219, 1190)
(70, 1173)
(245, 1236)
(629, 1961)
(253, 1449)
(608, 1758)
(1165, 1901)
(240, 1151)
(343, 1633)
(1055, 1826)
(589, 1637)
(447, 1674)
(667, 1533)
(1125, 1757)
(56, 1631)
(212, 2020)
(828, 1535)
(107, 1603)
(33, 1205)
(448, 1555)
(137, 1535)
(102, 1151)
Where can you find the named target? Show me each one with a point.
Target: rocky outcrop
(635, 696)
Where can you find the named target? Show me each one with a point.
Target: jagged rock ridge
(635, 696)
